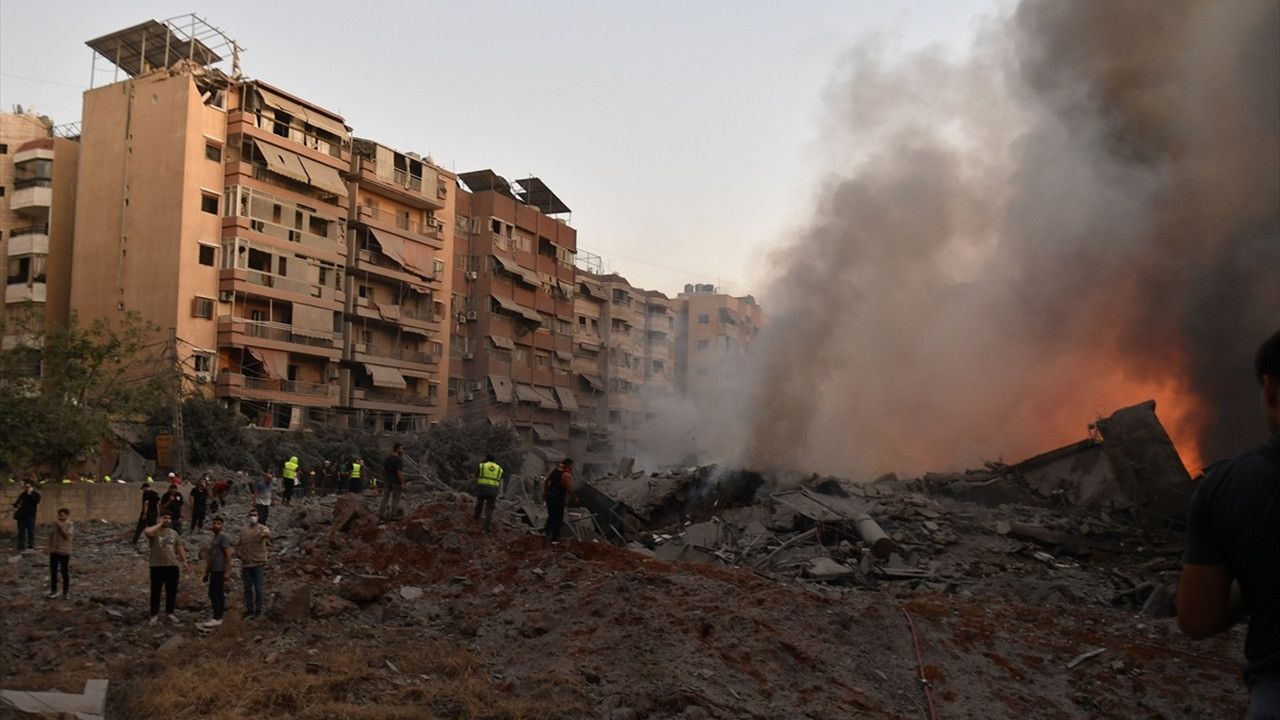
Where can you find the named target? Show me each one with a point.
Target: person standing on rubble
(217, 571)
(393, 469)
(25, 513)
(166, 551)
(199, 502)
(488, 485)
(557, 487)
(1231, 567)
(171, 505)
(251, 546)
(262, 496)
(60, 553)
(150, 511)
(290, 475)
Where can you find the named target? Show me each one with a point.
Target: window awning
(529, 277)
(515, 308)
(567, 399)
(387, 311)
(594, 347)
(503, 391)
(414, 257)
(565, 356)
(283, 162)
(324, 122)
(387, 377)
(312, 321)
(275, 102)
(502, 342)
(546, 432)
(323, 176)
(275, 363)
(311, 115)
(595, 382)
(527, 393)
(547, 398)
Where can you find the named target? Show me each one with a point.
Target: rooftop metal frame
(154, 44)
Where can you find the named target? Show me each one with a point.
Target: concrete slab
(91, 705)
(824, 568)
(706, 535)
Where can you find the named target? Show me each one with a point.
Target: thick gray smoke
(1082, 215)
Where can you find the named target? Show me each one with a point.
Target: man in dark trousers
(171, 505)
(393, 484)
(1231, 566)
(488, 485)
(557, 487)
(150, 511)
(25, 513)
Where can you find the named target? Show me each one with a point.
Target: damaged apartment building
(306, 276)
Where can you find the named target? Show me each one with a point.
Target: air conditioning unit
(468, 356)
(472, 275)
(226, 296)
(462, 317)
(202, 377)
(468, 397)
(471, 315)
(476, 385)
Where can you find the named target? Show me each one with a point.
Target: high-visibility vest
(490, 474)
(290, 469)
(355, 470)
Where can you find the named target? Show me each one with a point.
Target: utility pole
(179, 433)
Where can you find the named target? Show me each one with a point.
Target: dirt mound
(429, 617)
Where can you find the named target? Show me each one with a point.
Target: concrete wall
(116, 502)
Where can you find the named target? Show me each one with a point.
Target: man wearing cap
(262, 496)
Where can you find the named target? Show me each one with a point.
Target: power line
(657, 265)
(46, 82)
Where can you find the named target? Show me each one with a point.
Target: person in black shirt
(557, 487)
(393, 484)
(1231, 566)
(25, 513)
(150, 511)
(199, 502)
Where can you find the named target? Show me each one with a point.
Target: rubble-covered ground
(428, 617)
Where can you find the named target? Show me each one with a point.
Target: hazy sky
(684, 135)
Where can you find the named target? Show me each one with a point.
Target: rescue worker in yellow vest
(357, 485)
(488, 483)
(290, 475)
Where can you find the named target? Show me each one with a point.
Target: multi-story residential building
(215, 207)
(402, 221)
(623, 363)
(512, 309)
(37, 218)
(715, 337)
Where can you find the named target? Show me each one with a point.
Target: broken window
(209, 203)
(207, 254)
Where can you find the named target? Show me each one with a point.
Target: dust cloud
(1081, 214)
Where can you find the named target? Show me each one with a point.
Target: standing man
(59, 545)
(393, 471)
(217, 572)
(262, 496)
(290, 475)
(488, 484)
(25, 513)
(171, 505)
(199, 502)
(1231, 566)
(344, 473)
(150, 511)
(357, 485)
(251, 546)
(557, 486)
(166, 551)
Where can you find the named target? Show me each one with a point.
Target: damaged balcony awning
(547, 398)
(323, 176)
(275, 363)
(283, 162)
(567, 399)
(528, 277)
(387, 311)
(414, 257)
(502, 388)
(564, 355)
(546, 432)
(504, 343)
(387, 377)
(515, 308)
(276, 101)
(595, 382)
(312, 321)
(527, 393)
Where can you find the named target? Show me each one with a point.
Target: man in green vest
(290, 475)
(357, 485)
(488, 483)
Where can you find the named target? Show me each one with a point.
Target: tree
(62, 387)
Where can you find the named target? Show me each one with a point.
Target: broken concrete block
(705, 534)
(294, 607)
(824, 568)
(363, 588)
(91, 705)
(329, 606)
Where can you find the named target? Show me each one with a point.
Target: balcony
(233, 330)
(400, 184)
(383, 396)
(229, 280)
(24, 292)
(373, 350)
(420, 314)
(377, 216)
(277, 129)
(306, 239)
(32, 197)
(239, 385)
(33, 240)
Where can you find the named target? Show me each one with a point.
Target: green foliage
(313, 447)
(214, 434)
(453, 451)
(62, 388)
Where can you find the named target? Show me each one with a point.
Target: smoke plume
(1082, 214)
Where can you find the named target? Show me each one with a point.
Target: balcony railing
(398, 397)
(297, 135)
(279, 332)
(413, 356)
(420, 314)
(295, 387)
(413, 182)
(29, 230)
(32, 182)
(372, 213)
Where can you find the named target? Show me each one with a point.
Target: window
(207, 255)
(582, 320)
(703, 345)
(213, 151)
(19, 269)
(658, 366)
(704, 318)
(202, 308)
(209, 203)
(4, 148)
(543, 360)
(202, 363)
